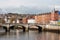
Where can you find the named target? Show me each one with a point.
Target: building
(42, 18)
(46, 18)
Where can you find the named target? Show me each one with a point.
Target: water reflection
(31, 35)
(48, 36)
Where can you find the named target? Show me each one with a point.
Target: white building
(17, 21)
(31, 21)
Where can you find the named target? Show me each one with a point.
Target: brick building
(45, 18)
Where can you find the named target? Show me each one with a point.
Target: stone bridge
(8, 26)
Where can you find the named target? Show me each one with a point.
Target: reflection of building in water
(17, 34)
(48, 36)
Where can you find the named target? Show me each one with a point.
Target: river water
(31, 35)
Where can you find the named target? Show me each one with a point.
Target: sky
(29, 3)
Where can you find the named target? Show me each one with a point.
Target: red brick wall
(45, 18)
(54, 16)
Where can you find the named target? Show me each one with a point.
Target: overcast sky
(29, 3)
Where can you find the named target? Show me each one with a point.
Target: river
(31, 35)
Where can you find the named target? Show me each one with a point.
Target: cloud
(29, 3)
(9, 3)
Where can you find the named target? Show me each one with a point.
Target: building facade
(46, 18)
(42, 18)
